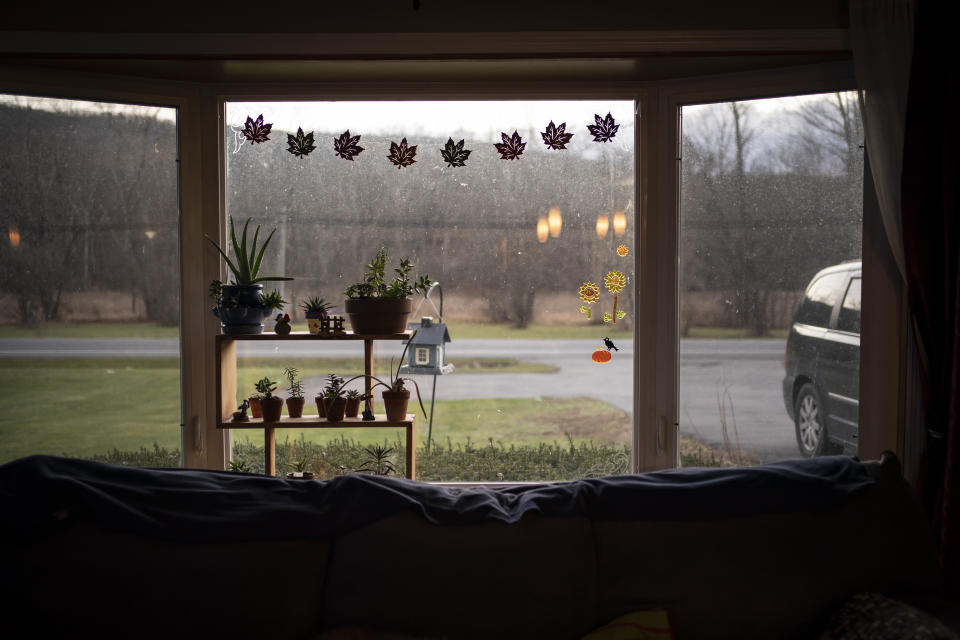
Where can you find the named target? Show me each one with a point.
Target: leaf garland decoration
(346, 146)
(255, 130)
(300, 145)
(556, 137)
(454, 154)
(401, 155)
(605, 129)
(512, 146)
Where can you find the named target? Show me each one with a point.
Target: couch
(769, 552)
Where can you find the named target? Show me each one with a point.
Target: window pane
(510, 241)
(771, 219)
(89, 271)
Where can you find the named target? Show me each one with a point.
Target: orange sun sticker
(623, 251)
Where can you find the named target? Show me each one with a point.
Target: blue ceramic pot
(242, 310)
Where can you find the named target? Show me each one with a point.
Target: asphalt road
(744, 374)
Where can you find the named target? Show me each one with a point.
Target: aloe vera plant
(246, 269)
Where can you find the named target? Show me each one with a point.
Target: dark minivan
(821, 388)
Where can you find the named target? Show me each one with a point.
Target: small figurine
(240, 415)
(368, 415)
(282, 328)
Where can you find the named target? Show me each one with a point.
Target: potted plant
(315, 309)
(240, 305)
(299, 470)
(296, 401)
(270, 405)
(332, 390)
(376, 306)
(255, 409)
(396, 398)
(354, 398)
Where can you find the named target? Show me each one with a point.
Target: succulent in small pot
(270, 405)
(397, 396)
(354, 398)
(334, 383)
(255, 409)
(299, 470)
(375, 306)
(241, 305)
(296, 400)
(315, 309)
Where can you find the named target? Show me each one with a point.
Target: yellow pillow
(652, 624)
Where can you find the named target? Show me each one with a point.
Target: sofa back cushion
(777, 575)
(90, 580)
(532, 579)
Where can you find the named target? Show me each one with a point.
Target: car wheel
(809, 419)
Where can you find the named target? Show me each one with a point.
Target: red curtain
(932, 256)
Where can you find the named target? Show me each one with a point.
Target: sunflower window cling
(589, 293)
(615, 281)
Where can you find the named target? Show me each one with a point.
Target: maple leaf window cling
(347, 146)
(512, 146)
(402, 155)
(605, 128)
(256, 131)
(454, 154)
(301, 144)
(556, 137)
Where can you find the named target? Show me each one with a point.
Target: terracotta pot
(255, 410)
(353, 408)
(378, 316)
(272, 408)
(295, 407)
(321, 409)
(395, 403)
(335, 409)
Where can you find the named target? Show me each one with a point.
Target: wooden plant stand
(226, 358)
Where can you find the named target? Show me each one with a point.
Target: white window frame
(200, 110)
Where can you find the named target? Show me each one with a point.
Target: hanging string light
(13, 233)
(603, 225)
(543, 229)
(619, 223)
(555, 222)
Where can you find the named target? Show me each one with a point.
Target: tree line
(92, 198)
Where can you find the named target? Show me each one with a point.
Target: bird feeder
(426, 352)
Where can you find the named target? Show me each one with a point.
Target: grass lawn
(87, 406)
(458, 330)
(90, 330)
(252, 369)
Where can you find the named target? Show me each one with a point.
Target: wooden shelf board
(313, 422)
(305, 335)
